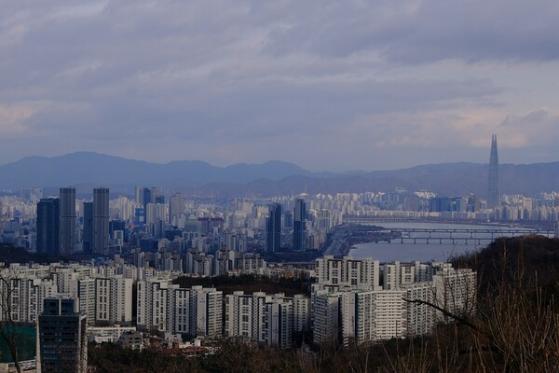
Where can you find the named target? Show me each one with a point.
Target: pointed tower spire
(493, 197)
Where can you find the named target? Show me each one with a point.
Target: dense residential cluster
(363, 301)
(357, 300)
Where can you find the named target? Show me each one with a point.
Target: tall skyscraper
(62, 337)
(273, 228)
(48, 219)
(67, 227)
(88, 227)
(101, 221)
(149, 195)
(493, 197)
(299, 224)
(176, 208)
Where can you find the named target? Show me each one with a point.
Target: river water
(423, 251)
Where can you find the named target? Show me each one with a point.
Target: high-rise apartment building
(48, 220)
(24, 298)
(273, 229)
(87, 299)
(420, 315)
(326, 317)
(62, 337)
(269, 319)
(348, 272)
(113, 300)
(368, 316)
(455, 291)
(206, 305)
(165, 307)
(101, 221)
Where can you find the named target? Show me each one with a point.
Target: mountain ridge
(270, 177)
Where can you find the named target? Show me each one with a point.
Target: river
(423, 251)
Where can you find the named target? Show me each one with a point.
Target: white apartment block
(389, 318)
(349, 272)
(326, 308)
(23, 298)
(164, 307)
(206, 311)
(113, 300)
(301, 313)
(420, 316)
(455, 291)
(87, 299)
(278, 322)
(269, 319)
(178, 310)
(241, 315)
(152, 304)
(369, 316)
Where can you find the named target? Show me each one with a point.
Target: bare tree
(8, 330)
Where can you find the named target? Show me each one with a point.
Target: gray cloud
(350, 84)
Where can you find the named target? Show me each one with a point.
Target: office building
(299, 225)
(62, 337)
(156, 218)
(87, 237)
(48, 220)
(67, 225)
(176, 209)
(273, 229)
(101, 221)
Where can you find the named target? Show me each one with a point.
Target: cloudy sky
(330, 85)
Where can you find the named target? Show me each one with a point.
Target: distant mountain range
(452, 179)
(269, 178)
(94, 168)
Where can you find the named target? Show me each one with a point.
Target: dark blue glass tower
(299, 225)
(48, 217)
(273, 228)
(62, 337)
(88, 227)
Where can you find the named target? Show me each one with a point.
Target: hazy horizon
(264, 161)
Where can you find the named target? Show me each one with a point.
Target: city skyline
(337, 86)
(286, 186)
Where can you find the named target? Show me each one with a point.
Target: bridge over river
(483, 234)
(445, 233)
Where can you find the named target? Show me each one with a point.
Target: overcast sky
(329, 85)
